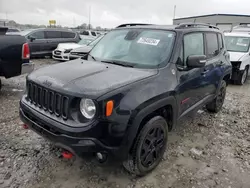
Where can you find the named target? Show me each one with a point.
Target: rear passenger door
(212, 71)
(53, 39)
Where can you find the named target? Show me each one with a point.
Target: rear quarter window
(68, 34)
(93, 33)
(220, 41)
(212, 45)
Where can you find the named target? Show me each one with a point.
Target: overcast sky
(110, 13)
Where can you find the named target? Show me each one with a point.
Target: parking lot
(206, 151)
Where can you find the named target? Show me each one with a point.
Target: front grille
(48, 100)
(235, 64)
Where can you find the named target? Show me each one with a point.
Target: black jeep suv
(134, 86)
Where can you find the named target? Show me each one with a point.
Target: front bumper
(27, 68)
(44, 126)
(62, 56)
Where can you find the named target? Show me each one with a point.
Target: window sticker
(149, 41)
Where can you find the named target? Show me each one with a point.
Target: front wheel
(149, 147)
(216, 105)
(242, 77)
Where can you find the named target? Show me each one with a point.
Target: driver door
(190, 91)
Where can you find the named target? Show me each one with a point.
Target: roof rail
(188, 25)
(131, 24)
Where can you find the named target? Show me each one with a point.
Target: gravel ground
(209, 150)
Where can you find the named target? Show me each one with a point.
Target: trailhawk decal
(149, 41)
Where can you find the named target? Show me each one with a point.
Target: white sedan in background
(63, 49)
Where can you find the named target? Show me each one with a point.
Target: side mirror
(31, 38)
(85, 57)
(196, 61)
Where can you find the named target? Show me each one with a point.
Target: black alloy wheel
(149, 147)
(152, 147)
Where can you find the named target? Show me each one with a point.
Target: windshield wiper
(92, 57)
(120, 63)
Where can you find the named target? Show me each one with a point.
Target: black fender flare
(222, 78)
(134, 126)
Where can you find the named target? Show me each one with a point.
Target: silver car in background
(82, 51)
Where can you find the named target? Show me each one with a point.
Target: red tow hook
(25, 126)
(67, 155)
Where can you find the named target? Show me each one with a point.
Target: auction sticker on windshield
(149, 41)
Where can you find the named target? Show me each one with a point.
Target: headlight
(87, 108)
(67, 51)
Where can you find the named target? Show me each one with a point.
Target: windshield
(142, 48)
(85, 41)
(26, 32)
(93, 43)
(237, 44)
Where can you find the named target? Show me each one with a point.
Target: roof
(240, 15)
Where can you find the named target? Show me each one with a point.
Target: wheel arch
(244, 63)
(227, 78)
(167, 107)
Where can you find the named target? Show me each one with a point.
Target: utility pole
(174, 11)
(74, 22)
(89, 16)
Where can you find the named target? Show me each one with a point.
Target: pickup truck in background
(14, 55)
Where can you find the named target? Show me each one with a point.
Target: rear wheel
(149, 147)
(242, 77)
(216, 105)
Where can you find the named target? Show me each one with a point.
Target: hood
(83, 49)
(236, 56)
(87, 78)
(65, 46)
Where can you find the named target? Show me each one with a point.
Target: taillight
(26, 51)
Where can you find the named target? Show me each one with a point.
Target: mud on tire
(216, 105)
(149, 147)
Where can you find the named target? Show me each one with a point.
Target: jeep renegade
(133, 87)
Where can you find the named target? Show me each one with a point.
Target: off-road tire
(216, 105)
(242, 77)
(134, 163)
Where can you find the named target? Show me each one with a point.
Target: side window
(53, 34)
(93, 33)
(66, 34)
(221, 46)
(193, 45)
(85, 33)
(212, 45)
(38, 35)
